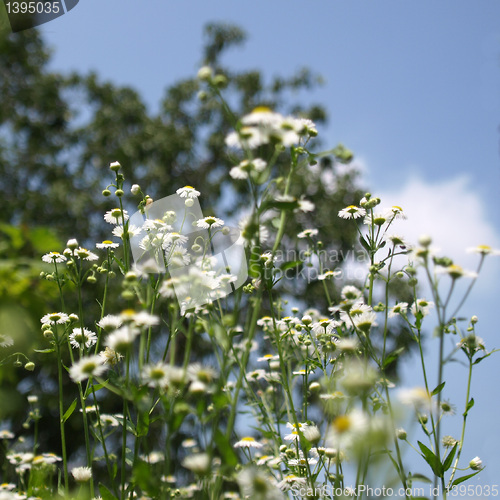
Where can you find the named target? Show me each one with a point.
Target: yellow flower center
(261, 109)
(342, 424)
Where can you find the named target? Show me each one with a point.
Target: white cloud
(453, 214)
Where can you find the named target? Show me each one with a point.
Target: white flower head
(107, 244)
(52, 257)
(209, 222)
(256, 483)
(85, 367)
(116, 216)
(82, 474)
(58, 318)
(80, 337)
(84, 254)
(307, 233)
(352, 212)
(248, 442)
(188, 192)
(199, 463)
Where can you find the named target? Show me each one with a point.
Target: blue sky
(413, 89)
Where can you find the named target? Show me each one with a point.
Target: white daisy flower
(396, 212)
(302, 462)
(350, 292)
(188, 192)
(108, 420)
(122, 339)
(175, 239)
(52, 257)
(455, 272)
(483, 250)
(107, 244)
(399, 308)
(199, 463)
(131, 231)
(6, 340)
(397, 240)
(245, 168)
(110, 322)
(141, 319)
(346, 428)
(156, 375)
(329, 274)
(417, 397)
(83, 253)
(365, 321)
(248, 442)
(115, 216)
(324, 325)
(58, 318)
(352, 212)
(209, 222)
(85, 367)
(307, 233)
(82, 337)
(5, 434)
(82, 474)
(347, 344)
(421, 305)
(305, 206)
(110, 357)
(256, 483)
(290, 480)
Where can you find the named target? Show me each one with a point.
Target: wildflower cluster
(208, 385)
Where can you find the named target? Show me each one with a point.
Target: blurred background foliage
(58, 134)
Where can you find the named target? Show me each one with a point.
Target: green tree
(58, 134)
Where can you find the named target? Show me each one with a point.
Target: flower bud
(476, 463)
(425, 240)
(135, 189)
(30, 366)
(119, 193)
(106, 192)
(205, 73)
(401, 434)
(189, 202)
(220, 81)
(73, 243)
(115, 166)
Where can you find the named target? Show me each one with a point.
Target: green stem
(61, 412)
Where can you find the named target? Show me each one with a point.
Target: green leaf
(449, 459)
(290, 265)
(226, 450)
(105, 493)
(459, 480)
(431, 459)
(142, 424)
(392, 356)
(420, 477)
(69, 411)
(44, 351)
(365, 244)
(94, 388)
(438, 389)
(470, 404)
(478, 360)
